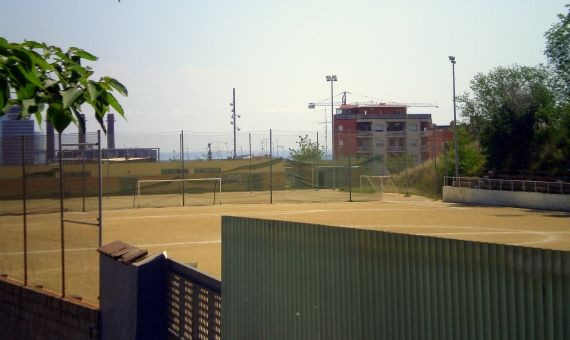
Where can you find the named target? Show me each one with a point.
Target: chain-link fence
(50, 225)
(55, 189)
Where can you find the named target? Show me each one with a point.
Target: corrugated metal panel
(285, 280)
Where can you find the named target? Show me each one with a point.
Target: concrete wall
(29, 313)
(132, 299)
(519, 199)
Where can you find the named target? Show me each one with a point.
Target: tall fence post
(270, 166)
(317, 165)
(100, 185)
(250, 184)
(349, 171)
(182, 165)
(61, 211)
(25, 212)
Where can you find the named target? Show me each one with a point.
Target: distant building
(12, 130)
(387, 132)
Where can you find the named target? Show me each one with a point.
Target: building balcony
(396, 148)
(401, 133)
(363, 133)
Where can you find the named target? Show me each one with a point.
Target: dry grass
(192, 234)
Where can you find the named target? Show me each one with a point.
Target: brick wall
(30, 313)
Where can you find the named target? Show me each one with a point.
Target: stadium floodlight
(452, 60)
(332, 79)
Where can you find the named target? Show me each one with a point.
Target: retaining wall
(30, 313)
(518, 199)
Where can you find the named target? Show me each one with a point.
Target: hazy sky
(180, 59)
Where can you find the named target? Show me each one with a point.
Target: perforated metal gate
(194, 303)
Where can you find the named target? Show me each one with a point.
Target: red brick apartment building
(385, 131)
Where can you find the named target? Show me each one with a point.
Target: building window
(414, 142)
(413, 127)
(340, 143)
(381, 144)
(379, 128)
(340, 128)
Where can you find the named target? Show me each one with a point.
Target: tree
(471, 160)
(40, 77)
(558, 50)
(507, 109)
(307, 150)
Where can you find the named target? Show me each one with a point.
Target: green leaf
(4, 95)
(4, 43)
(82, 53)
(32, 44)
(31, 76)
(29, 106)
(114, 103)
(38, 116)
(116, 85)
(26, 91)
(69, 96)
(24, 58)
(93, 89)
(40, 61)
(58, 117)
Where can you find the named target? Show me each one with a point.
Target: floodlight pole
(452, 60)
(332, 79)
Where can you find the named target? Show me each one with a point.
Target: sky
(181, 59)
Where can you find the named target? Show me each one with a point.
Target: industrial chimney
(111, 131)
(50, 143)
(81, 137)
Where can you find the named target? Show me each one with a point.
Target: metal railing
(396, 148)
(194, 303)
(396, 133)
(363, 133)
(560, 188)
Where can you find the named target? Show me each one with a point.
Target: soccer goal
(376, 184)
(162, 190)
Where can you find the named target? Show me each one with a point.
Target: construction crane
(373, 101)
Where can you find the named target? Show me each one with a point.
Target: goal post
(377, 183)
(216, 180)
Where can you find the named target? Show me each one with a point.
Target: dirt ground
(192, 234)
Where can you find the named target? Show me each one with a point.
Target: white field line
(49, 251)
(245, 214)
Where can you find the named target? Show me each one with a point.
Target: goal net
(377, 184)
(169, 192)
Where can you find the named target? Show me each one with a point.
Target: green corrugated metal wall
(285, 280)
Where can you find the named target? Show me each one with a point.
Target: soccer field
(192, 234)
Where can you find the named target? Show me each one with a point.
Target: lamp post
(332, 79)
(452, 60)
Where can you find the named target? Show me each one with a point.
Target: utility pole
(234, 116)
